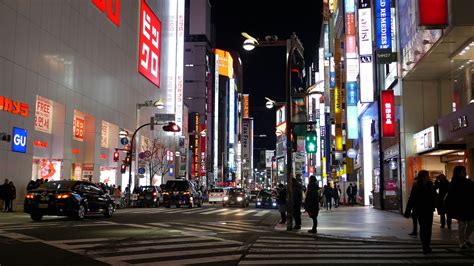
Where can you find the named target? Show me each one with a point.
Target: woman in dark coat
(460, 204)
(442, 185)
(281, 201)
(422, 201)
(311, 203)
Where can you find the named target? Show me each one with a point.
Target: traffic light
(127, 159)
(171, 127)
(311, 142)
(116, 156)
(123, 168)
(297, 74)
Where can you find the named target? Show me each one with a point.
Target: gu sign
(19, 140)
(149, 44)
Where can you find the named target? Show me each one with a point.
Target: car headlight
(226, 198)
(274, 204)
(240, 199)
(258, 203)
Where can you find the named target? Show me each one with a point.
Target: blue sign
(383, 23)
(141, 171)
(326, 41)
(349, 6)
(332, 80)
(351, 93)
(124, 141)
(19, 139)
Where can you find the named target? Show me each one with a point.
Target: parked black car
(236, 197)
(68, 198)
(265, 199)
(148, 196)
(181, 192)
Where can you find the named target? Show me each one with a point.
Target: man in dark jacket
(281, 201)
(297, 201)
(460, 204)
(311, 202)
(422, 202)
(442, 185)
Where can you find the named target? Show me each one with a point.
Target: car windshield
(233, 191)
(57, 185)
(217, 190)
(147, 189)
(265, 193)
(176, 185)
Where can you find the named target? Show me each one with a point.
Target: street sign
(147, 154)
(164, 117)
(124, 141)
(141, 170)
(141, 155)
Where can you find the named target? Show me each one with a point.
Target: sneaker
(312, 231)
(413, 234)
(297, 227)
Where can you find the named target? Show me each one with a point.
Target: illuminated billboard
(388, 113)
(352, 122)
(225, 62)
(149, 44)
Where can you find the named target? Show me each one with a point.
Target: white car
(216, 195)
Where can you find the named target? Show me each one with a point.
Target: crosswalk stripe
(268, 250)
(246, 212)
(262, 213)
(305, 241)
(229, 212)
(84, 240)
(137, 242)
(160, 224)
(181, 253)
(346, 246)
(239, 226)
(214, 211)
(157, 248)
(211, 228)
(349, 261)
(196, 260)
(345, 255)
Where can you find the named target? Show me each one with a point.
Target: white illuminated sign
(424, 140)
(366, 79)
(231, 111)
(365, 31)
(352, 69)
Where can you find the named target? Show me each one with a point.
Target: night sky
(264, 68)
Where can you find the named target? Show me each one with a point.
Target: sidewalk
(367, 223)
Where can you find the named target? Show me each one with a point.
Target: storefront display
(49, 169)
(107, 175)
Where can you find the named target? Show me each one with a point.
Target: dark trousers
(297, 215)
(352, 200)
(415, 222)
(445, 220)
(328, 203)
(426, 223)
(315, 223)
(336, 202)
(8, 205)
(283, 217)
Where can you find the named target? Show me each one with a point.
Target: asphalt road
(211, 235)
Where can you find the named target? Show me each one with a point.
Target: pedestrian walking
(311, 203)
(336, 195)
(351, 192)
(422, 201)
(414, 231)
(281, 201)
(10, 195)
(297, 201)
(3, 188)
(442, 185)
(460, 205)
(328, 195)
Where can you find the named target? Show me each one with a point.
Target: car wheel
(109, 211)
(81, 212)
(36, 217)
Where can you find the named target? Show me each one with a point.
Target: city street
(211, 235)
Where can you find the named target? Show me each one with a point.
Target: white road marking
(262, 213)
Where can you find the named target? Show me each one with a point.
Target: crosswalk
(284, 250)
(169, 250)
(200, 211)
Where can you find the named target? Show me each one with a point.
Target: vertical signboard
(180, 63)
(216, 115)
(365, 48)
(196, 145)
(384, 31)
(231, 111)
(246, 141)
(202, 166)
(149, 44)
(44, 115)
(388, 113)
(366, 79)
(104, 141)
(246, 106)
(365, 31)
(433, 13)
(352, 122)
(78, 127)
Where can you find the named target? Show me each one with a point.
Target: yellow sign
(246, 106)
(226, 63)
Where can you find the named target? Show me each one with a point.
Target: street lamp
(271, 103)
(292, 45)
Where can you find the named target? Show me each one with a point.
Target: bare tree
(158, 163)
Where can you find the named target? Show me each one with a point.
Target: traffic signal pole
(130, 165)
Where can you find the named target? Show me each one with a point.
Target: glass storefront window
(49, 169)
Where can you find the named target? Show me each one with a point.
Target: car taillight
(186, 193)
(63, 196)
(154, 194)
(30, 196)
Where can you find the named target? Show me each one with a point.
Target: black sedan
(236, 197)
(148, 196)
(265, 199)
(68, 198)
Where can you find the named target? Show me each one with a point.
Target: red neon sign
(433, 13)
(14, 107)
(40, 144)
(103, 156)
(202, 166)
(76, 151)
(112, 7)
(388, 113)
(149, 44)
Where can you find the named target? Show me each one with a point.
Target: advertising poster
(104, 141)
(44, 115)
(78, 127)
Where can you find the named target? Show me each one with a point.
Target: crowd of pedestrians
(7, 195)
(453, 200)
